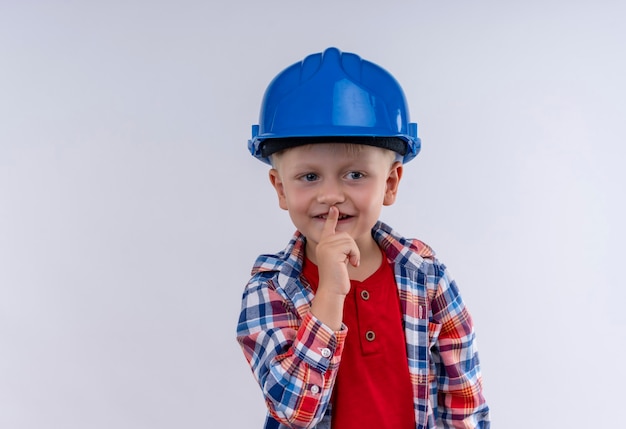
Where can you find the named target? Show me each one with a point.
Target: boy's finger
(331, 221)
(354, 259)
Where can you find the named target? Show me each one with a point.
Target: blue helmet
(334, 97)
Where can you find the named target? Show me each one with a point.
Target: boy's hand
(334, 252)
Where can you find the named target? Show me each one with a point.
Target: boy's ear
(277, 183)
(393, 181)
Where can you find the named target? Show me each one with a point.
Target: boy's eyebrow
(354, 164)
(304, 165)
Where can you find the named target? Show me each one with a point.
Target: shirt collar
(408, 252)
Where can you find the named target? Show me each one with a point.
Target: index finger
(331, 221)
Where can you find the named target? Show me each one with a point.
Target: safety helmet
(334, 97)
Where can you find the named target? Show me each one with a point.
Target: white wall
(131, 212)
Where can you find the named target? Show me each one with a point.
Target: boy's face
(310, 179)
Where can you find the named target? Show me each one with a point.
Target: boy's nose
(330, 193)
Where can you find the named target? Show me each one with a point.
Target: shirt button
(326, 353)
(315, 389)
(365, 295)
(370, 335)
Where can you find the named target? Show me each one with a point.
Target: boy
(352, 325)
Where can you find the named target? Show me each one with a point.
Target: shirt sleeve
(458, 380)
(294, 359)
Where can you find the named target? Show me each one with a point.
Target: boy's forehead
(344, 151)
(337, 148)
(347, 150)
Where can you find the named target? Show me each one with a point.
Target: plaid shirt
(295, 357)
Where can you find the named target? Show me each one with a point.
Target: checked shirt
(295, 358)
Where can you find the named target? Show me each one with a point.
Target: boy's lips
(325, 216)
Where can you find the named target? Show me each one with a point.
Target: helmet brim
(274, 145)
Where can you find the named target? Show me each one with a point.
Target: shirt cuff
(318, 345)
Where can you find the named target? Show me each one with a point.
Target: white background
(131, 212)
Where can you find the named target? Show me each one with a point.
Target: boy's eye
(309, 177)
(354, 175)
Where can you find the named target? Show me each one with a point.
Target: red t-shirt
(373, 387)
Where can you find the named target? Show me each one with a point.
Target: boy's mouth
(341, 216)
